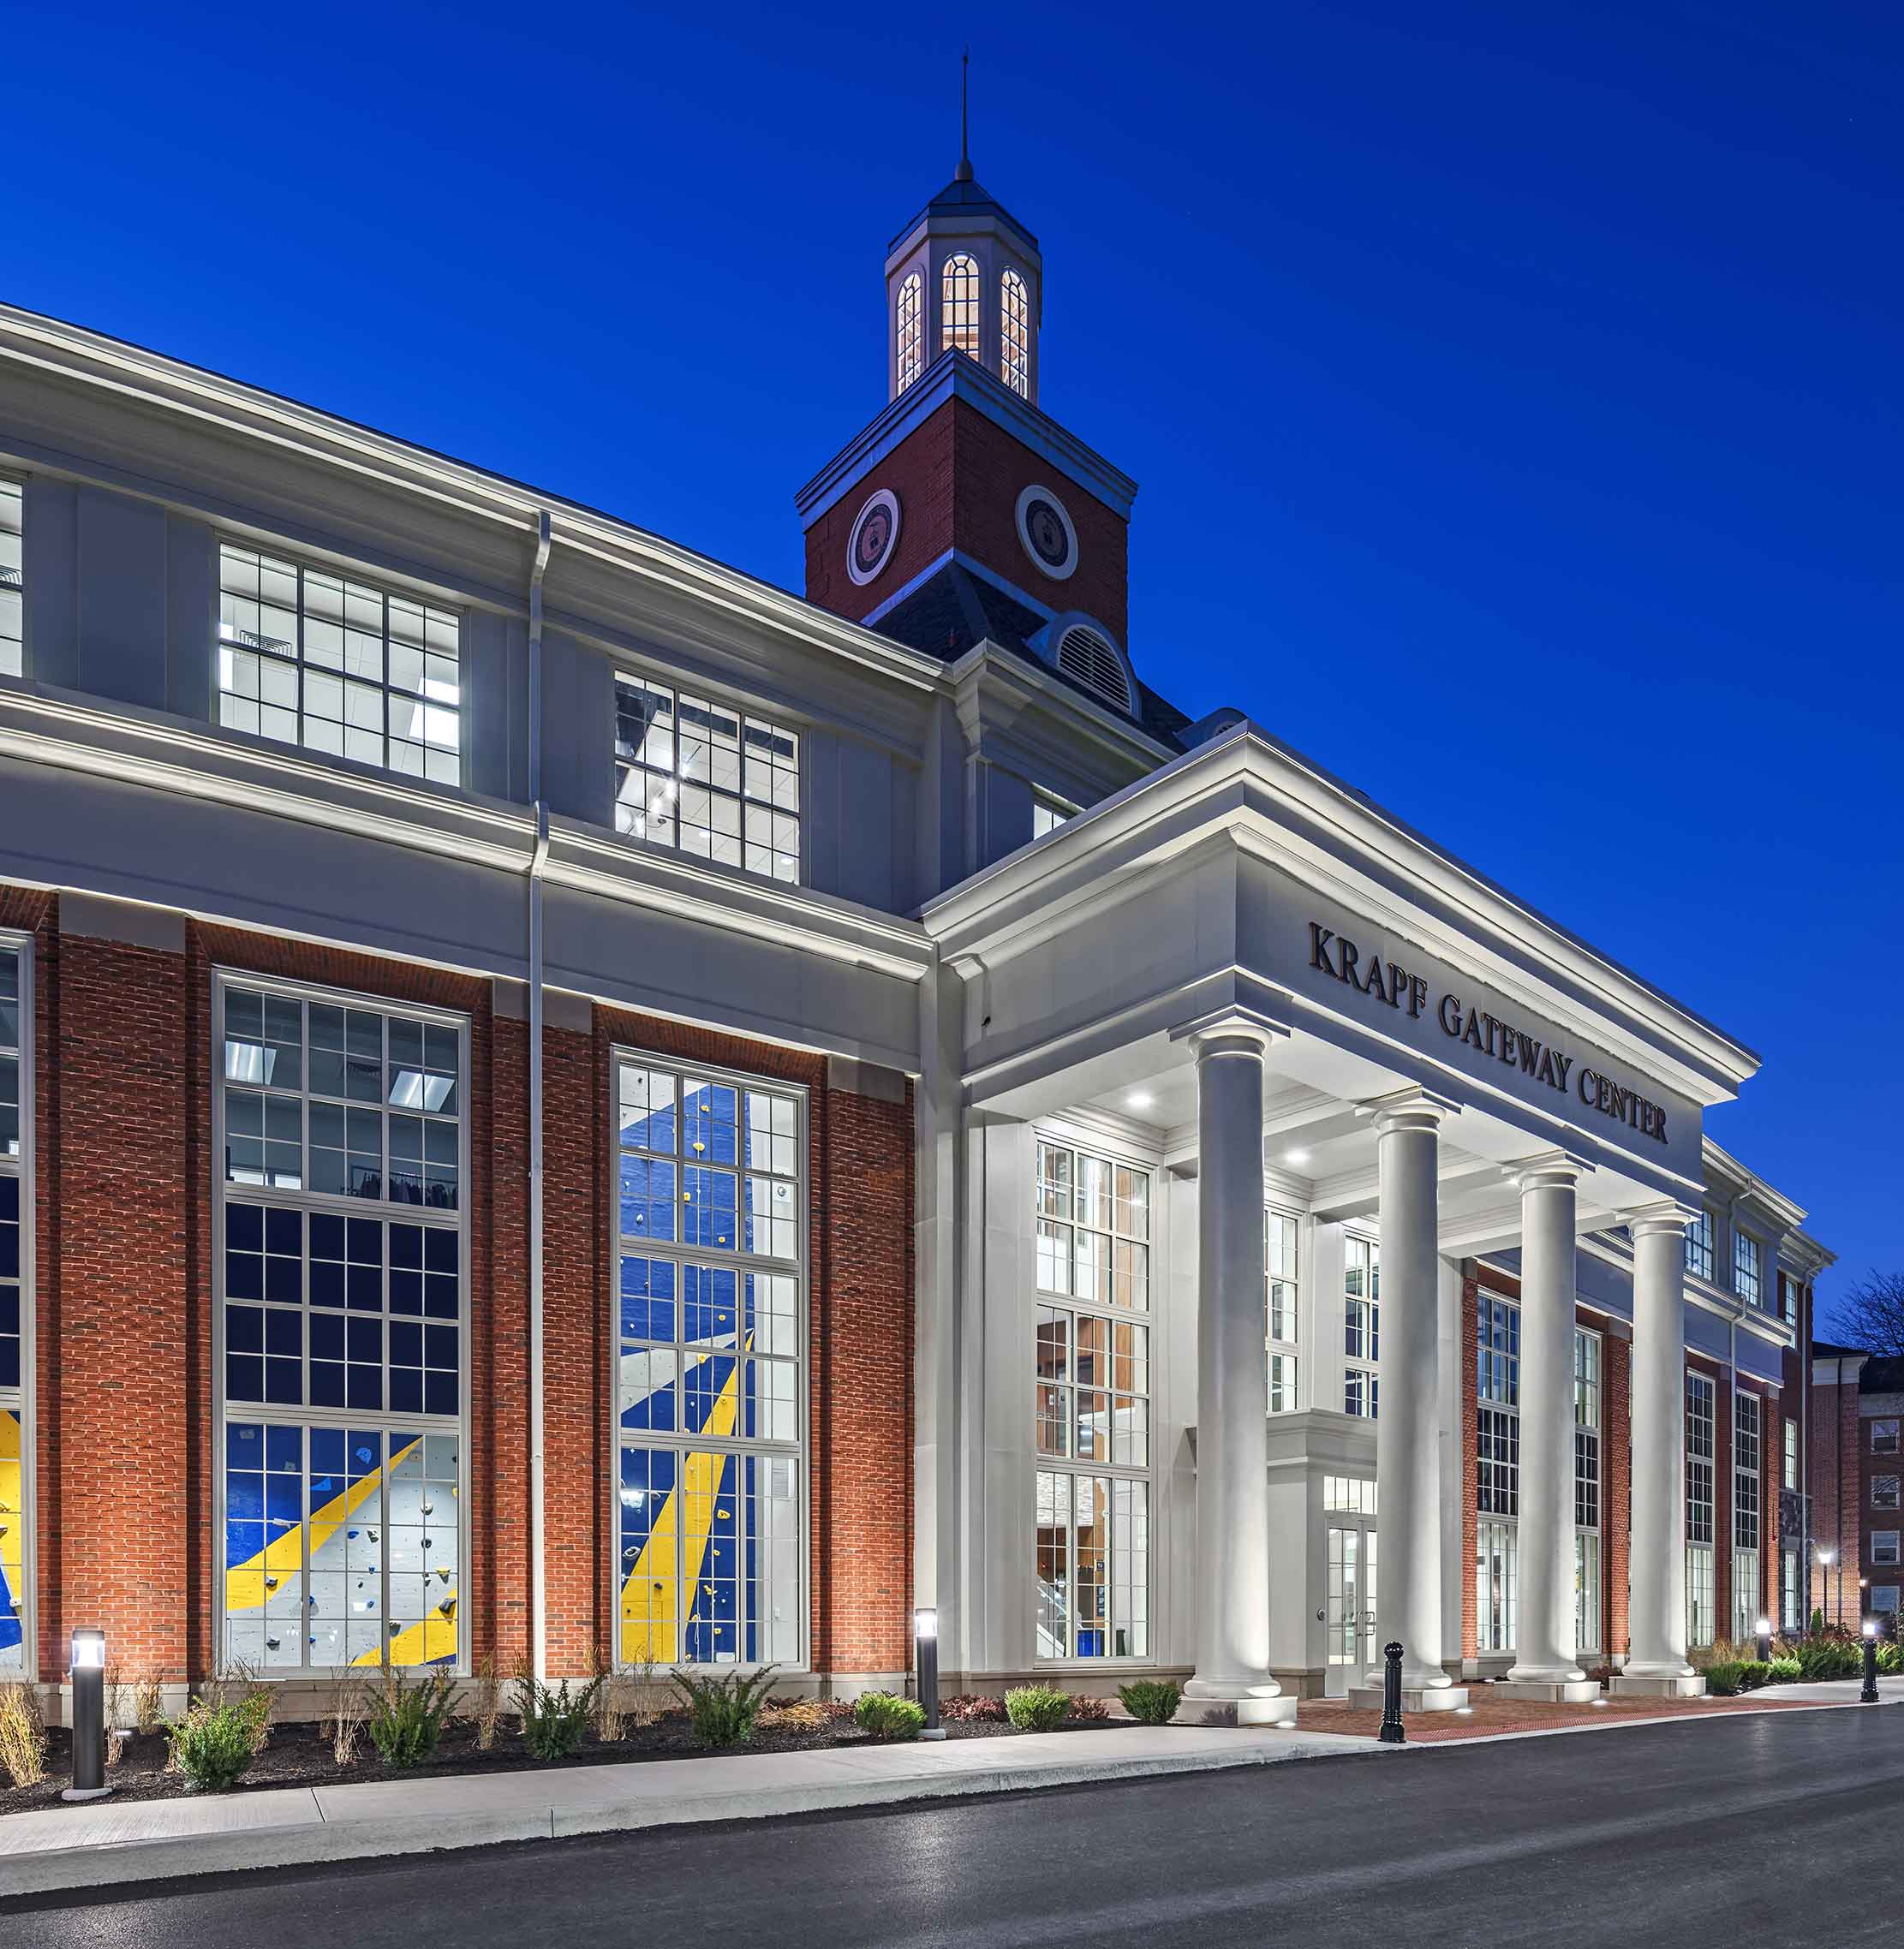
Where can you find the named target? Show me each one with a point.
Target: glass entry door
(1351, 1606)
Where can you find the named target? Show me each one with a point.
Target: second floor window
(12, 623)
(1745, 1267)
(308, 657)
(1699, 1246)
(1883, 1436)
(707, 779)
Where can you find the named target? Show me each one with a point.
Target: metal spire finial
(963, 172)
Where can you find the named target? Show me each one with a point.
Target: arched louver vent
(1083, 654)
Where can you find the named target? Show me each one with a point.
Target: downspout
(539, 1582)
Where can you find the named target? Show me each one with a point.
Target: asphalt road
(1773, 1829)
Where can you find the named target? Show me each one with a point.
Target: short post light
(1764, 1641)
(87, 1670)
(1391, 1733)
(925, 1649)
(1869, 1695)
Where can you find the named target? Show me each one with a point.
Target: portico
(1341, 1065)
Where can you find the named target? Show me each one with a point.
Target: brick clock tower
(962, 513)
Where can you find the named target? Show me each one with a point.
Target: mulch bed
(1523, 1715)
(300, 1755)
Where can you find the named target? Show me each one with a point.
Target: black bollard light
(925, 1645)
(87, 1670)
(1764, 1641)
(1391, 1733)
(1869, 1695)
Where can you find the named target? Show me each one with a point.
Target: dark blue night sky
(1514, 390)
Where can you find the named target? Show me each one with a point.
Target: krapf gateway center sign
(1382, 979)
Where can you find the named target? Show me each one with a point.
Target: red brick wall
(1616, 1471)
(124, 1382)
(1837, 1494)
(958, 477)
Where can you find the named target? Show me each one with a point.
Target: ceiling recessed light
(1140, 1100)
(1295, 1157)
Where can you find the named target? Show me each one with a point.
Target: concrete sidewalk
(100, 1844)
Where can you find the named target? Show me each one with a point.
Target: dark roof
(1830, 1349)
(1884, 1375)
(946, 615)
(965, 198)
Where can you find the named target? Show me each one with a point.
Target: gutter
(539, 860)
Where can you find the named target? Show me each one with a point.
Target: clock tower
(964, 513)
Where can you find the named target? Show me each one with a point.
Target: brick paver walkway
(1521, 1715)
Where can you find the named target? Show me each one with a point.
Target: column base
(1690, 1686)
(1211, 1702)
(1546, 1691)
(1417, 1698)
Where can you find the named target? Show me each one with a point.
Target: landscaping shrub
(973, 1706)
(346, 1716)
(1037, 1709)
(1890, 1655)
(722, 1708)
(1084, 1707)
(215, 1740)
(22, 1735)
(1785, 1671)
(887, 1716)
(405, 1721)
(1724, 1677)
(489, 1702)
(1151, 1701)
(1828, 1653)
(554, 1717)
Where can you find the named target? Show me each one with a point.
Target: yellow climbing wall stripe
(244, 1585)
(650, 1634)
(11, 1511)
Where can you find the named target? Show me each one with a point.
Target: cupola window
(959, 305)
(1015, 345)
(909, 347)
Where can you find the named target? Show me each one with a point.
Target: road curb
(110, 1864)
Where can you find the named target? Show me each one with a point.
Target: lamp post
(87, 1669)
(1869, 1695)
(1764, 1641)
(925, 1644)
(1824, 1576)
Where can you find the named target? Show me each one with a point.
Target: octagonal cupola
(964, 275)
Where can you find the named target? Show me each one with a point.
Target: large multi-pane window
(708, 779)
(1092, 1384)
(1587, 1489)
(1361, 1326)
(1497, 1484)
(1788, 1597)
(1015, 334)
(1745, 1281)
(341, 1273)
(1788, 1473)
(1699, 1246)
(711, 1309)
(1701, 1624)
(908, 333)
(313, 658)
(1283, 1308)
(959, 306)
(16, 1305)
(12, 582)
(1746, 1506)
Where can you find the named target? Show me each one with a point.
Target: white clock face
(1046, 531)
(875, 535)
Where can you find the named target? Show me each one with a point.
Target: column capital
(1415, 1109)
(1231, 1031)
(1548, 1171)
(1657, 1221)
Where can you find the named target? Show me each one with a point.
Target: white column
(1408, 1449)
(1655, 1601)
(1545, 1652)
(1232, 1388)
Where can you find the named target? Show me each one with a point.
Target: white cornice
(174, 756)
(107, 365)
(1267, 797)
(988, 674)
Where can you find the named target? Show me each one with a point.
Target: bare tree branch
(1871, 1315)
